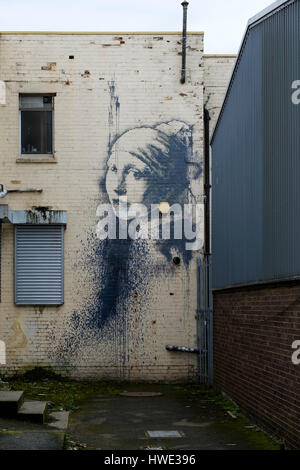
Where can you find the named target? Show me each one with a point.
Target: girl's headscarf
(161, 148)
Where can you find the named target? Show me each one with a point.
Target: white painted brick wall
(146, 71)
(217, 73)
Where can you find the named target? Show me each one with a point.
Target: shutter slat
(39, 264)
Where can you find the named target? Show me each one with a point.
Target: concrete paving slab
(140, 394)
(34, 411)
(10, 402)
(164, 434)
(22, 440)
(10, 396)
(59, 420)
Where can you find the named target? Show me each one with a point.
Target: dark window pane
(36, 102)
(36, 132)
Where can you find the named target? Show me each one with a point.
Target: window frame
(33, 155)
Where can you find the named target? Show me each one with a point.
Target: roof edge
(266, 11)
(270, 10)
(107, 33)
(219, 55)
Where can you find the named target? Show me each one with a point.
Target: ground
(102, 418)
(200, 417)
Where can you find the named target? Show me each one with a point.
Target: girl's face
(126, 180)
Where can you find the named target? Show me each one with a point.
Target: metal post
(183, 68)
(205, 307)
(207, 184)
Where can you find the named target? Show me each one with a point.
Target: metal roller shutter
(39, 264)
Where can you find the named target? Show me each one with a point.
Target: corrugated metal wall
(256, 159)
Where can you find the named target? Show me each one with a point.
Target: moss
(8, 432)
(239, 427)
(36, 374)
(43, 384)
(253, 435)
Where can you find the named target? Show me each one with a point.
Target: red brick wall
(254, 329)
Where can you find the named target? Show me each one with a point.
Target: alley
(163, 417)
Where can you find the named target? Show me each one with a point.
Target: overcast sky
(223, 21)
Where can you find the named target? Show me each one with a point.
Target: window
(36, 117)
(39, 264)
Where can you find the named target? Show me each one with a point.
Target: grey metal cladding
(256, 159)
(236, 162)
(281, 145)
(39, 264)
(269, 10)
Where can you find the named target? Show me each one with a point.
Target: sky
(223, 21)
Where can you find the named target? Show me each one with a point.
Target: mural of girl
(145, 165)
(148, 165)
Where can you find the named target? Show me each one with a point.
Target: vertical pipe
(207, 249)
(207, 185)
(199, 318)
(183, 67)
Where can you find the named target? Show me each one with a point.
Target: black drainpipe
(207, 249)
(183, 68)
(207, 185)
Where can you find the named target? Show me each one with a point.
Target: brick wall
(115, 322)
(114, 83)
(217, 73)
(254, 329)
